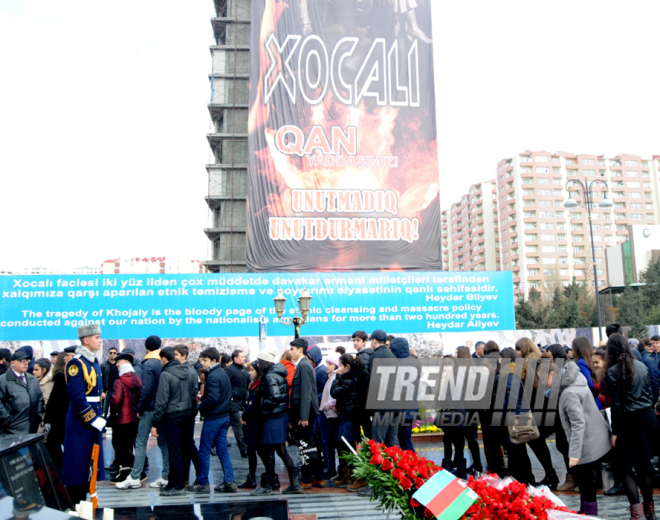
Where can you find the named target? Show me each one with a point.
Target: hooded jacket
(125, 398)
(273, 393)
(151, 369)
(177, 392)
(320, 371)
(400, 348)
(586, 430)
(290, 372)
(350, 390)
(365, 355)
(217, 394)
(21, 406)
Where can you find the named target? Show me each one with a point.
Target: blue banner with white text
(232, 305)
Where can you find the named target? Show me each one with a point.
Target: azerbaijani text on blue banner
(226, 305)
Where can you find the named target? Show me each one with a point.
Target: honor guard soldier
(84, 421)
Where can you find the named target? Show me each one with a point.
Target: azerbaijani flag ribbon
(447, 497)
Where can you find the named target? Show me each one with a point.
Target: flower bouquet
(394, 475)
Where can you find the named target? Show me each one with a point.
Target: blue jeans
(144, 429)
(214, 433)
(322, 427)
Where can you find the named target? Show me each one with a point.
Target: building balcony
(515, 268)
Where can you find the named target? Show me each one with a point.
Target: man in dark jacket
(30, 353)
(5, 356)
(401, 350)
(304, 409)
(190, 455)
(177, 394)
(151, 369)
(240, 381)
(21, 402)
(382, 429)
(214, 407)
(110, 374)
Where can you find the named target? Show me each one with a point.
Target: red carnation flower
(405, 483)
(414, 503)
(398, 474)
(387, 465)
(419, 482)
(376, 459)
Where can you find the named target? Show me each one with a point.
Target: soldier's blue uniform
(85, 388)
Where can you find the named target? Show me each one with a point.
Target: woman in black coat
(634, 426)
(252, 425)
(349, 389)
(273, 398)
(58, 406)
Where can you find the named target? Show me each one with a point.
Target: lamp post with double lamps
(606, 203)
(304, 302)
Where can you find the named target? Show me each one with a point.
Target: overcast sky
(103, 118)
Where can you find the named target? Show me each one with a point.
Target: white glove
(98, 423)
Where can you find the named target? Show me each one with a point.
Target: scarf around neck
(82, 351)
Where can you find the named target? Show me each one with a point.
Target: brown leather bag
(523, 429)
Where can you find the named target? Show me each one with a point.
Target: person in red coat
(290, 368)
(125, 398)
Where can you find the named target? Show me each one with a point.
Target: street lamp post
(571, 203)
(304, 302)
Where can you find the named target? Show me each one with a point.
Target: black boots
(276, 481)
(265, 488)
(551, 480)
(295, 488)
(250, 483)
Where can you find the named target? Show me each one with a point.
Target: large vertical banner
(343, 169)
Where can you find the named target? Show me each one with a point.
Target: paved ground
(328, 503)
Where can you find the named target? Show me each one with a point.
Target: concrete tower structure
(227, 193)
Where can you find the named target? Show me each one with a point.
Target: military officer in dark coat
(84, 420)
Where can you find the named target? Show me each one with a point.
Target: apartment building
(153, 265)
(470, 238)
(542, 242)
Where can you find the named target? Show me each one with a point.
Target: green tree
(632, 312)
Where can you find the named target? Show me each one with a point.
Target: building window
(528, 191)
(635, 195)
(546, 214)
(550, 260)
(561, 238)
(548, 238)
(545, 192)
(620, 216)
(545, 203)
(633, 184)
(635, 205)
(601, 162)
(540, 158)
(587, 161)
(562, 249)
(543, 180)
(620, 205)
(543, 169)
(556, 181)
(589, 172)
(631, 163)
(527, 180)
(530, 214)
(631, 173)
(636, 216)
(555, 160)
(558, 193)
(533, 272)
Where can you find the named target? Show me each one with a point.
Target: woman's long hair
(619, 356)
(463, 353)
(528, 349)
(582, 349)
(60, 364)
(264, 367)
(356, 363)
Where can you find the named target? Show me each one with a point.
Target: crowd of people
(604, 413)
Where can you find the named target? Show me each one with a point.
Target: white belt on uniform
(96, 399)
